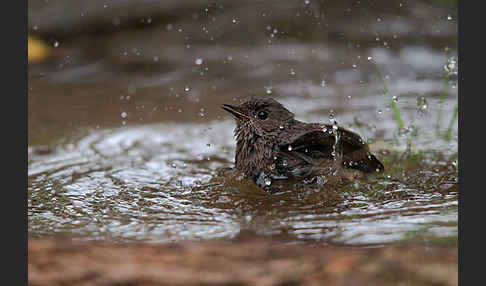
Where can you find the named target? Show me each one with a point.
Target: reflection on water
(167, 182)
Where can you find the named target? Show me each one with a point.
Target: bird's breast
(254, 156)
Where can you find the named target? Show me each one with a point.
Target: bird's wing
(315, 146)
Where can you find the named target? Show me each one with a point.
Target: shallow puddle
(168, 181)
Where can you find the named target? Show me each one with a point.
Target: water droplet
(451, 66)
(268, 90)
(187, 89)
(281, 127)
(449, 17)
(289, 148)
(56, 44)
(403, 131)
(354, 65)
(421, 104)
(332, 118)
(284, 163)
(268, 182)
(395, 98)
(370, 58)
(123, 114)
(199, 61)
(234, 21)
(380, 111)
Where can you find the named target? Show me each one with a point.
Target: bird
(272, 146)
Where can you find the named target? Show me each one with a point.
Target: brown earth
(243, 261)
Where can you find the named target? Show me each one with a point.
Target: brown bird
(272, 146)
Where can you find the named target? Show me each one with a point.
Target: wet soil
(246, 260)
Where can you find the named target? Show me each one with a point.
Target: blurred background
(126, 137)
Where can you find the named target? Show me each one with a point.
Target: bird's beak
(235, 110)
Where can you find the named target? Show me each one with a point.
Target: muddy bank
(246, 260)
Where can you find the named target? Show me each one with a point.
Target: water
(161, 182)
(132, 144)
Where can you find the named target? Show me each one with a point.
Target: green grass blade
(448, 134)
(396, 110)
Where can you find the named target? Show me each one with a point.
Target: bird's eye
(262, 115)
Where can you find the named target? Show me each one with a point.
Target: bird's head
(259, 116)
